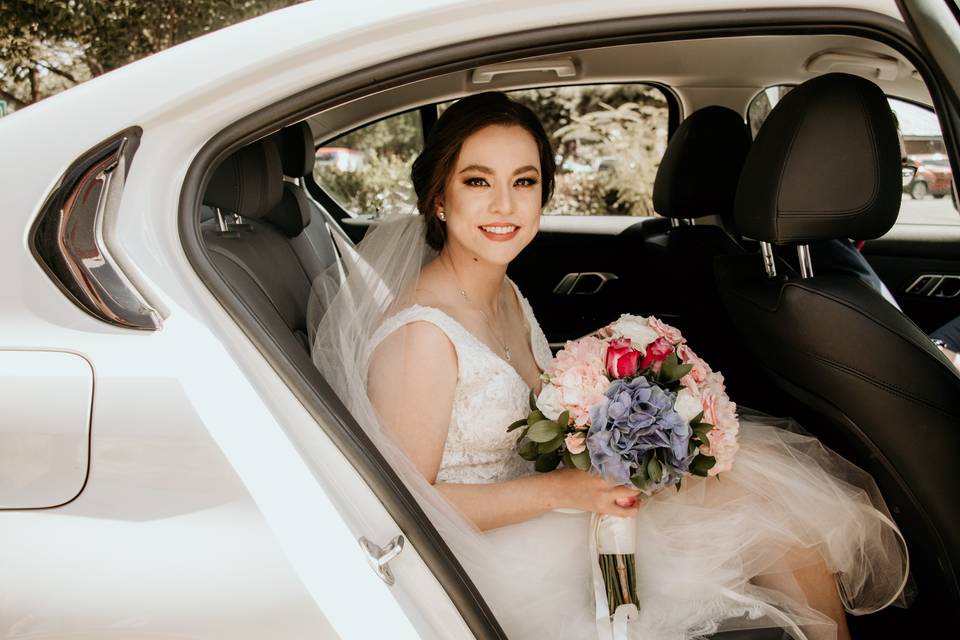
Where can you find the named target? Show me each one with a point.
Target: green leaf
(696, 419)
(654, 470)
(701, 464)
(522, 422)
(701, 430)
(564, 419)
(568, 460)
(534, 417)
(553, 445)
(533, 401)
(581, 460)
(668, 367)
(547, 462)
(544, 431)
(640, 481)
(528, 450)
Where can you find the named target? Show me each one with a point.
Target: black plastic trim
(308, 386)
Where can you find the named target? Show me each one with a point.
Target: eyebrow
(489, 171)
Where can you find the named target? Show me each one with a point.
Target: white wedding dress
(717, 555)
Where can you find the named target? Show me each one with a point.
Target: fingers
(623, 512)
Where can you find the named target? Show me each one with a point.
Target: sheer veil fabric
(717, 555)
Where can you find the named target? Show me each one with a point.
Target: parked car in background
(934, 176)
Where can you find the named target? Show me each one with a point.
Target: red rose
(622, 359)
(657, 352)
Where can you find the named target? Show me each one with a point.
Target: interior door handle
(935, 286)
(580, 283)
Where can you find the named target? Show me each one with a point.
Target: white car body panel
(215, 506)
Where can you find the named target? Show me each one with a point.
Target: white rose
(687, 405)
(637, 329)
(549, 402)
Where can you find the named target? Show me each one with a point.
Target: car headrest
(825, 164)
(295, 143)
(249, 182)
(699, 171)
(292, 213)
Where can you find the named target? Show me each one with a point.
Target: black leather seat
(258, 259)
(865, 379)
(695, 188)
(313, 242)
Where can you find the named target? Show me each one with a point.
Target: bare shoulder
(417, 352)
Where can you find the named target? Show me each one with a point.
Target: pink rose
(672, 334)
(578, 375)
(700, 368)
(576, 442)
(622, 359)
(719, 411)
(657, 352)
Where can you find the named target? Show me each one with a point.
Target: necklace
(503, 343)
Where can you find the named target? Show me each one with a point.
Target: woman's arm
(411, 382)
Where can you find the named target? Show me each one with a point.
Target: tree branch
(12, 99)
(59, 72)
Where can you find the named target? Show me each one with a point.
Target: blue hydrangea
(637, 416)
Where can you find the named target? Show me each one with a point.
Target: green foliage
(50, 45)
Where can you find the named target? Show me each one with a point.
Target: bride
(435, 351)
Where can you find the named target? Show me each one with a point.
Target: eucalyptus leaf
(533, 401)
(581, 460)
(701, 464)
(535, 416)
(564, 419)
(639, 481)
(528, 450)
(655, 470)
(547, 462)
(553, 445)
(568, 459)
(544, 431)
(522, 422)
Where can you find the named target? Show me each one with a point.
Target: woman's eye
(526, 182)
(475, 182)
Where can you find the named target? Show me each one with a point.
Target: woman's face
(492, 197)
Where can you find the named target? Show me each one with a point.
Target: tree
(50, 45)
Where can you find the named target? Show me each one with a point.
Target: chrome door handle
(569, 284)
(380, 557)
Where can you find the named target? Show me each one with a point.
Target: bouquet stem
(615, 543)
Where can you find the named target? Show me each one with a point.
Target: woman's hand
(572, 488)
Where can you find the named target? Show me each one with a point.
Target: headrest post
(674, 222)
(222, 225)
(691, 221)
(806, 264)
(768, 262)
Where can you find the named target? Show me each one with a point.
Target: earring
(441, 215)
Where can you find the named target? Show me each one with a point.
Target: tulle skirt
(718, 555)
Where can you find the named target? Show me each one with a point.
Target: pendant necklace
(503, 343)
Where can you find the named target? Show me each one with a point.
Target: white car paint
(215, 506)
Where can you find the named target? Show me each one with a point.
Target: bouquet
(634, 404)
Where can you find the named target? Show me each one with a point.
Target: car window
(367, 171)
(927, 198)
(609, 140)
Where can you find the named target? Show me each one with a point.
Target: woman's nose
(502, 202)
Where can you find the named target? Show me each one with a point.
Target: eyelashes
(482, 182)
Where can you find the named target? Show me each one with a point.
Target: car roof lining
(728, 71)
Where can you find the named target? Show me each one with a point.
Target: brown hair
(461, 120)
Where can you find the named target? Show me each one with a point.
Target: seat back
(259, 260)
(865, 379)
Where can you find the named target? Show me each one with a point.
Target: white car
(171, 463)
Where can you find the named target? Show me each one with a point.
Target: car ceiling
(726, 71)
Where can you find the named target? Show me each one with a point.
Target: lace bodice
(490, 395)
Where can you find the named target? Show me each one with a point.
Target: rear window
(609, 141)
